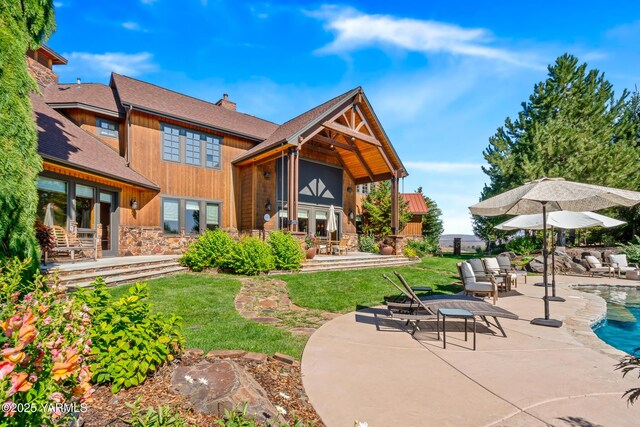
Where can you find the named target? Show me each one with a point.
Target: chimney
(225, 103)
(78, 81)
(40, 63)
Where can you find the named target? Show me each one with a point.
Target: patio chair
(68, 243)
(474, 286)
(595, 266)
(505, 265)
(324, 246)
(621, 265)
(478, 269)
(343, 246)
(508, 278)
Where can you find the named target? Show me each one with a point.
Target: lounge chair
(419, 309)
(621, 265)
(69, 243)
(595, 266)
(505, 266)
(474, 286)
(478, 270)
(508, 278)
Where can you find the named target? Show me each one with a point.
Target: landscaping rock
(255, 357)
(193, 352)
(221, 385)
(224, 354)
(563, 263)
(284, 358)
(511, 255)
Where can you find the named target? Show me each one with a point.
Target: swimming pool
(620, 328)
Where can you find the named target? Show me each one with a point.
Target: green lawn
(344, 291)
(210, 319)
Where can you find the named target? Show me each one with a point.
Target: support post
(394, 204)
(296, 174)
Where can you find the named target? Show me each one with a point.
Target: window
(192, 217)
(213, 152)
(107, 128)
(170, 143)
(190, 147)
(186, 214)
(193, 148)
(303, 220)
(170, 217)
(213, 216)
(52, 201)
(84, 206)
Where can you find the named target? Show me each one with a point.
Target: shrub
(128, 342)
(44, 343)
(522, 245)
(287, 253)
(632, 249)
(209, 251)
(367, 243)
(410, 252)
(423, 247)
(163, 416)
(250, 256)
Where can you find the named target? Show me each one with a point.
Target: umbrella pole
(546, 321)
(553, 296)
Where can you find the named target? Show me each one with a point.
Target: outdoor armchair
(595, 266)
(507, 278)
(478, 269)
(505, 265)
(474, 286)
(621, 265)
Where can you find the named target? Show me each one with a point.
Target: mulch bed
(108, 410)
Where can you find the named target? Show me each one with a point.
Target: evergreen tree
(377, 210)
(432, 226)
(23, 24)
(573, 127)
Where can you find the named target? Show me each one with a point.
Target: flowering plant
(44, 377)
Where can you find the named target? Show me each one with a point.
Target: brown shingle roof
(164, 101)
(417, 205)
(286, 131)
(60, 140)
(90, 94)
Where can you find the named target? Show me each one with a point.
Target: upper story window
(190, 147)
(106, 128)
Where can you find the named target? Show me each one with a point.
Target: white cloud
(58, 4)
(444, 167)
(130, 25)
(102, 64)
(457, 224)
(624, 32)
(355, 30)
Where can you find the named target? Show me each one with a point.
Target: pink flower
(57, 397)
(11, 324)
(47, 321)
(19, 383)
(6, 368)
(9, 408)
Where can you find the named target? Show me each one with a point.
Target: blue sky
(442, 76)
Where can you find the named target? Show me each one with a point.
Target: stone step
(68, 269)
(71, 279)
(132, 278)
(350, 259)
(357, 266)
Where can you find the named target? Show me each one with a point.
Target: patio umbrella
(548, 195)
(332, 225)
(559, 219)
(48, 215)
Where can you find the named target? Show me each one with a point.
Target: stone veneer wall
(40, 73)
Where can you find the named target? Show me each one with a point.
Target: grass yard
(210, 320)
(344, 291)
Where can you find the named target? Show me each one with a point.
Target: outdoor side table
(455, 313)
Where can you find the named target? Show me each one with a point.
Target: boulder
(563, 263)
(214, 387)
(511, 255)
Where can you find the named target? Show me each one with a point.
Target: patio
(364, 366)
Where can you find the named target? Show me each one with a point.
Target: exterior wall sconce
(133, 204)
(267, 206)
(349, 190)
(351, 216)
(267, 175)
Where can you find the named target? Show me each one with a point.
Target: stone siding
(40, 73)
(151, 241)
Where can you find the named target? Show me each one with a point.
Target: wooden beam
(333, 142)
(350, 132)
(385, 158)
(363, 162)
(375, 178)
(343, 164)
(394, 205)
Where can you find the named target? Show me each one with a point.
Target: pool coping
(580, 324)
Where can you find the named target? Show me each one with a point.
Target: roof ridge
(113, 73)
(324, 103)
(82, 84)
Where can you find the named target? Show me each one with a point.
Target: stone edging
(580, 325)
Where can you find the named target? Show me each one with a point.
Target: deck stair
(115, 271)
(353, 261)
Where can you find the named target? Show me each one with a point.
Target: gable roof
(96, 96)
(417, 205)
(61, 141)
(155, 99)
(287, 132)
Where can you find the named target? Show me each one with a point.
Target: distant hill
(469, 241)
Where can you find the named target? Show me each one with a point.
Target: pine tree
(23, 24)
(377, 210)
(573, 127)
(432, 226)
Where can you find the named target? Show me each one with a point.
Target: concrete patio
(364, 366)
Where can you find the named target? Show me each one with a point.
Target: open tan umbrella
(553, 194)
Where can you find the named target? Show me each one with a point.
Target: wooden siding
(86, 120)
(246, 198)
(181, 180)
(413, 227)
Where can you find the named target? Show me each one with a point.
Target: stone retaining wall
(151, 241)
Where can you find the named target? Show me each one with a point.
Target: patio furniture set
(617, 265)
(71, 244)
(332, 247)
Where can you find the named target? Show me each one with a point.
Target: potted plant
(310, 247)
(385, 249)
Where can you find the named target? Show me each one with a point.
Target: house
(418, 208)
(147, 169)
